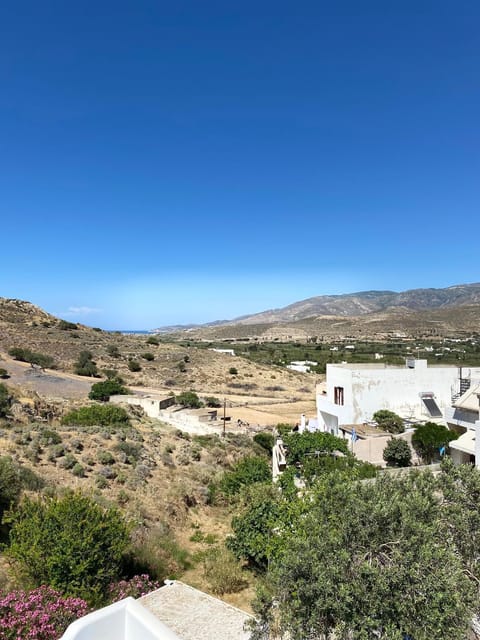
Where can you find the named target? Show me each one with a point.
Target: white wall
(368, 388)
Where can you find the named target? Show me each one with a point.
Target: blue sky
(174, 162)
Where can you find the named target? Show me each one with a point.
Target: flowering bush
(136, 587)
(41, 614)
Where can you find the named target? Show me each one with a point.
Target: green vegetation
(223, 571)
(85, 366)
(10, 484)
(153, 340)
(148, 355)
(429, 438)
(189, 399)
(97, 414)
(134, 366)
(26, 355)
(381, 559)
(103, 390)
(4, 374)
(397, 453)
(5, 400)
(211, 401)
(64, 325)
(69, 543)
(389, 421)
(113, 351)
(265, 439)
(233, 371)
(245, 472)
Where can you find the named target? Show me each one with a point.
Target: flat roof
(195, 615)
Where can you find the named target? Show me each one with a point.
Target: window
(338, 395)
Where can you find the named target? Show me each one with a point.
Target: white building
(416, 392)
(464, 418)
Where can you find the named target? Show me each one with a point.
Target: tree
(189, 399)
(254, 537)
(103, 390)
(389, 421)
(10, 484)
(245, 472)
(397, 453)
(85, 366)
(211, 401)
(368, 560)
(70, 543)
(265, 439)
(429, 438)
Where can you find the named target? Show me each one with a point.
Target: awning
(465, 443)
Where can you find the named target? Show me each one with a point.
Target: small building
(151, 404)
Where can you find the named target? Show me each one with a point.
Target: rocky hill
(365, 302)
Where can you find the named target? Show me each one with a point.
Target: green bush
(97, 414)
(211, 401)
(153, 340)
(397, 453)
(10, 484)
(25, 355)
(233, 371)
(223, 571)
(246, 471)
(113, 351)
(4, 374)
(48, 437)
(148, 355)
(429, 438)
(389, 421)
(189, 399)
(78, 470)
(105, 457)
(265, 439)
(103, 390)
(64, 325)
(85, 366)
(70, 543)
(5, 400)
(134, 365)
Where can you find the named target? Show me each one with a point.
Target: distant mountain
(365, 302)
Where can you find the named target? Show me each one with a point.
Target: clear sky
(175, 162)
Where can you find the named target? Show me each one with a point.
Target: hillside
(163, 366)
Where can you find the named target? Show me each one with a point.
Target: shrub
(78, 470)
(4, 374)
(397, 453)
(48, 437)
(189, 399)
(247, 471)
(64, 325)
(211, 401)
(233, 371)
(181, 366)
(148, 355)
(10, 484)
(113, 351)
(158, 554)
(429, 438)
(134, 365)
(5, 400)
(131, 451)
(25, 355)
(265, 440)
(85, 366)
(70, 543)
(153, 340)
(389, 421)
(97, 414)
(223, 571)
(41, 614)
(135, 587)
(103, 390)
(68, 461)
(105, 457)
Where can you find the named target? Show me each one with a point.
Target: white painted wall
(124, 620)
(368, 388)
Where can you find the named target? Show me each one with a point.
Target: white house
(464, 418)
(415, 391)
